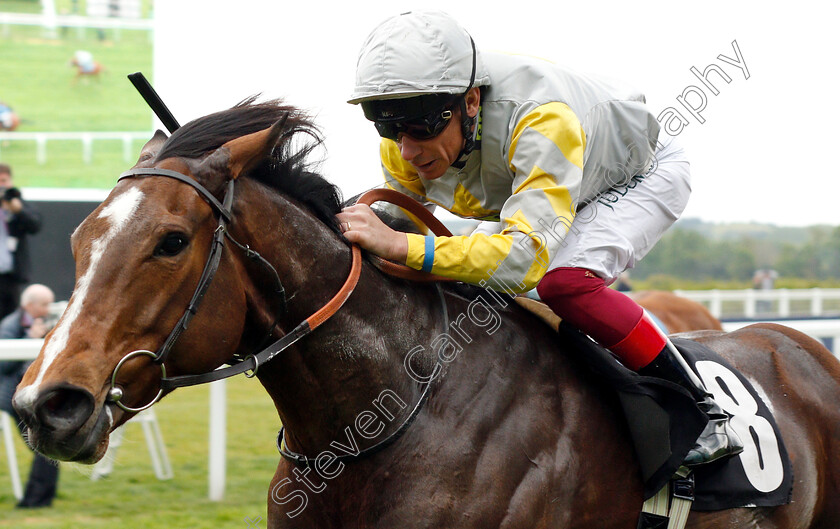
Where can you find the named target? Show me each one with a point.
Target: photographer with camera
(30, 320)
(17, 221)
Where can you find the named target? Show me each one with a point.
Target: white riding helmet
(417, 53)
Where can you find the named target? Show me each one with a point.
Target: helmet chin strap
(469, 137)
(467, 125)
(467, 122)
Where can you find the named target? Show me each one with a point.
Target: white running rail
(86, 138)
(74, 21)
(767, 304)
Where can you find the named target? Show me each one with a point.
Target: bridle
(251, 363)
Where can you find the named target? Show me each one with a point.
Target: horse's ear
(243, 154)
(150, 150)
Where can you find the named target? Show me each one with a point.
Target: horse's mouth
(87, 445)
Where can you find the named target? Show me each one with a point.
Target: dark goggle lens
(420, 129)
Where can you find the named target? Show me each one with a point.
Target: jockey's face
(431, 158)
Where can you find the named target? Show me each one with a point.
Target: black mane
(288, 169)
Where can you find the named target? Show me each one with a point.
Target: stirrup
(656, 511)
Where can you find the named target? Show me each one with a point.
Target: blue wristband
(429, 255)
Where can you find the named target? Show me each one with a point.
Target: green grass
(132, 498)
(39, 84)
(62, 7)
(21, 6)
(46, 96)
(65, 167)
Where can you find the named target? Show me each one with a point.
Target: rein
(252, 362)
(302, 460)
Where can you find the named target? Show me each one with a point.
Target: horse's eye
(171, 245)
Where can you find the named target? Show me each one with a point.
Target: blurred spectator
(18, 220)
(764, 279)
(28, 321)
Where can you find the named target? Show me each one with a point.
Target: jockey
(83, 60)
(569, 173)
(8, 119)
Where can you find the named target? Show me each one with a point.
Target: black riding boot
(718, 439)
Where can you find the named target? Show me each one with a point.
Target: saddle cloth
(664, 422)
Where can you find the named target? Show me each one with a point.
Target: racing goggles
(422, 117)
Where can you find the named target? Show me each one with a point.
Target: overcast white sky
(764, 152)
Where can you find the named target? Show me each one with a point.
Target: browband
(151, 171)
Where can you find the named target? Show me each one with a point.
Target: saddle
(664, 422)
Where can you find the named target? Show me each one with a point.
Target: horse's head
(139, 258)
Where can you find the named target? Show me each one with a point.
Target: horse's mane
(288, 170)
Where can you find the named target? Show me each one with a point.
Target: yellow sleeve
(546, 158)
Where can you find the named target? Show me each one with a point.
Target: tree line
(702, 252)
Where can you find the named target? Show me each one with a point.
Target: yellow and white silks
(550, 141)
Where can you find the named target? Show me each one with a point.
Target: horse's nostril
(64, 408)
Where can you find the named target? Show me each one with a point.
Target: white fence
(813, 311)
(86, 139)
(50, 22)
(768, 304)
(74, 21)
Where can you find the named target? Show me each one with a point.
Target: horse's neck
(322, 384)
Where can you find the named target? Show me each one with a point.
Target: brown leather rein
(252, 362)
(416, 209)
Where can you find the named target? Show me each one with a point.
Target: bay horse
(490, 422)
(677, 313)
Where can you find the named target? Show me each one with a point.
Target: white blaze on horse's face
(118, 214)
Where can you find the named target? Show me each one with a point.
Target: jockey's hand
(361, 225)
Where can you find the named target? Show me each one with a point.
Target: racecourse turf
(133, 498)
(39, 83)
